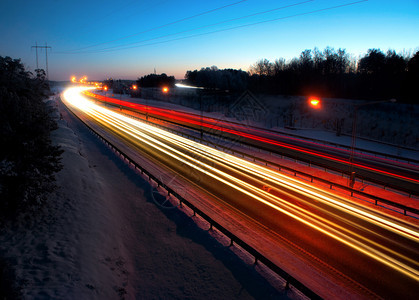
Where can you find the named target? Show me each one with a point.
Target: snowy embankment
(102, 237)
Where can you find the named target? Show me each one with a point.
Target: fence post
(287, 285)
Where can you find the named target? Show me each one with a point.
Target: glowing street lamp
(314, 102)
(134, 87)
(165, 90)
(73, 79)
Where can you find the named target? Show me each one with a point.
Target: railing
(259, 257)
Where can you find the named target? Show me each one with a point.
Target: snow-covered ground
(101, 236)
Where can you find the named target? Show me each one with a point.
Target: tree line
(156, 80)
(28, 160)
(327, 73)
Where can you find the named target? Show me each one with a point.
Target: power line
(106, 17)
(220, 30)
(162, 26)
(36, 50)
(210, 25)
(46, 47)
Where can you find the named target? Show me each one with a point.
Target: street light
(353, 142)
(315, 102)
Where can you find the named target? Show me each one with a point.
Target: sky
(128, 39)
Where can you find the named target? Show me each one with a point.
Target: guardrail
(363, 178)
(259, 257)
(377, 200)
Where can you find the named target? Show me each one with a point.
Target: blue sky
(176, 36)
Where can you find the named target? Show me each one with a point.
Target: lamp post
(353, 140)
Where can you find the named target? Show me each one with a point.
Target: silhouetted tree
(156, 81)
(28, 160)
(410, 85)
(279, 65)
(306, 62)
(332, 73)
(262, 67)
(329, 73)
(372, 63)
(216, 79)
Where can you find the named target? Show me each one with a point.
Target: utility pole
(36, 49)
(46, 47)
(46, 57)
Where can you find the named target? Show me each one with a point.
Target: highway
(383, 170)
(379, 252)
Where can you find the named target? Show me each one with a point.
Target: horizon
(130, 39)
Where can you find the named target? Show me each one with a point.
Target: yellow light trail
(144, 133)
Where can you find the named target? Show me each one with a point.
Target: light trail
(237, 130)
(184, 151)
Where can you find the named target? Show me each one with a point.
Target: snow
(101, 236)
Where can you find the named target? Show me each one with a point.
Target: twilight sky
(129, 38)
